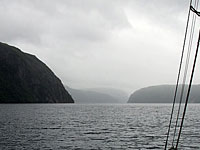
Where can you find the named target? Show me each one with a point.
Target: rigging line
(195, 11)
(189, 89)
(178, 78)
(186, 69)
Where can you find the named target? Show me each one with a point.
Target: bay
(93, 126)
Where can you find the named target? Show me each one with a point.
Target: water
(99, 126)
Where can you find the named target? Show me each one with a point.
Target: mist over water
(93, 126)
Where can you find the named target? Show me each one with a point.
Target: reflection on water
(99, 126)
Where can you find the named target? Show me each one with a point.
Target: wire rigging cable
(178, 78)
(193, 9)
(186, 68)
(189, 89)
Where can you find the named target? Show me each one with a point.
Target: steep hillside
(25, 79)
(162, 94)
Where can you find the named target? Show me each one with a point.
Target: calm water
(73, 126)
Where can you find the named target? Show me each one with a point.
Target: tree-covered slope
(25, 79)
(163, 94)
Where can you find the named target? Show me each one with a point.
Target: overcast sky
(124, 44)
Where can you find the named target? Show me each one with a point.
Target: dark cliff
(163, 94)
(25, 79)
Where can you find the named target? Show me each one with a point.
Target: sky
(123, 44)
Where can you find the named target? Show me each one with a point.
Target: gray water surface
(93, 126)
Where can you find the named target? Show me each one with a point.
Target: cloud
(89, 43)
(72, 20)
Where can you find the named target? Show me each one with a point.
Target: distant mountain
(25, 79)
(163, 94)
(98, 95)
(118, 94)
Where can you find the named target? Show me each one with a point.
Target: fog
(123, 44)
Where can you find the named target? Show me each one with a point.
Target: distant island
(98, 95)
(162, 94)
(26, 79)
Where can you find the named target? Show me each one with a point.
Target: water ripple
(92, 127)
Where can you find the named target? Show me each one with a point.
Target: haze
(124, 44)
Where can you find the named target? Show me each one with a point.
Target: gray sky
(125, 44)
